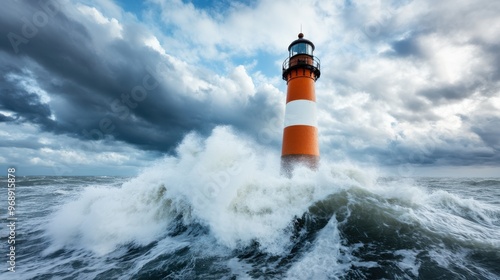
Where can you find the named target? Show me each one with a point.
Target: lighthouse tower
(300, 136)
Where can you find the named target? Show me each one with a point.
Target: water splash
(225, 182)
(225, 194)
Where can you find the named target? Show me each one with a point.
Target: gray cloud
(446, 93)
(386, 92)
(115, 91)
(406, 47)
(27, 107)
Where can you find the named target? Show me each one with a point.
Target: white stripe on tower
(301, 112)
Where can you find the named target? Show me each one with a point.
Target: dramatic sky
(107, 87)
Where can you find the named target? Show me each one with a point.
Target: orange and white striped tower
(300, 136)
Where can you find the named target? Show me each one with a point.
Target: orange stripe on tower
(300, 89)
(300, 135)
(300, 140)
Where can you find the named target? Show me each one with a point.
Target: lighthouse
(300, 136)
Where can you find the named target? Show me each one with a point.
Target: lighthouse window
(301, 48)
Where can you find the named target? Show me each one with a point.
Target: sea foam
(231, 186)
(226, 182)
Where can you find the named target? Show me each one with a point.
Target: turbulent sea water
(220, 210)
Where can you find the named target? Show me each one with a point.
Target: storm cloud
(116, 87)
(405, 82)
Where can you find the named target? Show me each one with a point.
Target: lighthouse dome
(301, 46)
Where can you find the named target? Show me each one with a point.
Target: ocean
(219, 209)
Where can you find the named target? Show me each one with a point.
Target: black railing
(308, 62)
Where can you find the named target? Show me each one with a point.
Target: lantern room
(301, 46)
(300, 56)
